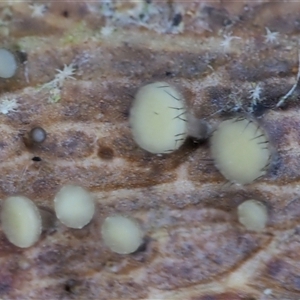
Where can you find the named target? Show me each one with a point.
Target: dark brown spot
(70, 285)
(36, 158)
(65, 13)
(177, 19)
(105, 153)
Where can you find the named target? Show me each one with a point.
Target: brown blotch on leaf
(105, 152)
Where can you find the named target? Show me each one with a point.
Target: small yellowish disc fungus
(8, 64)
(240, 150)
(121, 234)
(74, 206)
(21, 221)
(253, 215)
(158, 118)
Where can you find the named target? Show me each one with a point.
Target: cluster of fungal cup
(23, 222)
(160, 122)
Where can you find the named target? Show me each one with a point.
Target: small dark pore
(36, 158)
(69, 286)
(65, 13)
(177, 19)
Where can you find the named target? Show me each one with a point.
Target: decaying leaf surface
(224, 61)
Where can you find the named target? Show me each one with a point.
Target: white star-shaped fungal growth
(255, 94)
(225, 44)
(38, 10)
(7, 105)
(55, 85)
(271, 37)
(64, 74)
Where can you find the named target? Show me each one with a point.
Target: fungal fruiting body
(21, 221)
(253, 215)
(37, 135)
(158, 118)
(121, 234)
(240, 150)
(74, 206)
(8, 64)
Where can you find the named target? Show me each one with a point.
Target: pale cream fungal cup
(21, 221)
(240, 150)
(121, 234)
(253, 215)
(74, 206)
(8, 64)
(158, 118)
